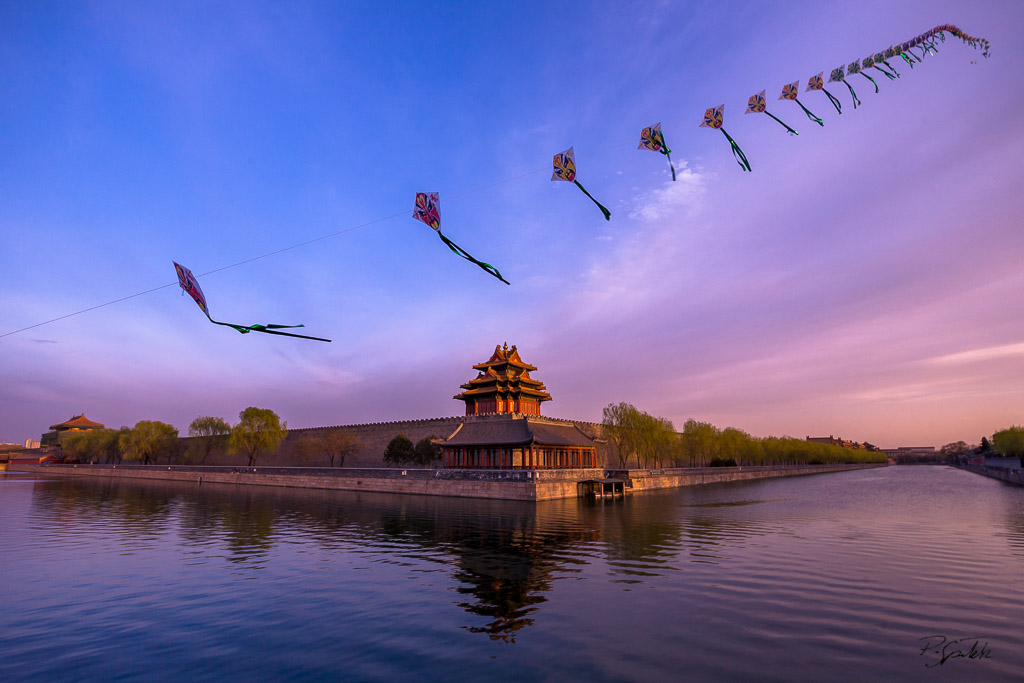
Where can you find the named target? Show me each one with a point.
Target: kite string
(283, 249)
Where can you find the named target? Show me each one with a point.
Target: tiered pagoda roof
(503, 385)
(77, 422)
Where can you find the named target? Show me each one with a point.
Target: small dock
(603, 488)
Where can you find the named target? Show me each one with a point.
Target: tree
(148, 440)
(1009, 441)
(400, 450)
(985, 446)
(426, 452)
(618, 419)
(953, 450)
(331, 444)
(208, 432)
(258, 430)
(75, 446)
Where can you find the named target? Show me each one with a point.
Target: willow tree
(207, 432)
(148, 440)
(258, 430)
(331, 444)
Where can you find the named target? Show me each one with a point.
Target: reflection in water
(840, 565)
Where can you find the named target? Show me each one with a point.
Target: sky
(865, 280)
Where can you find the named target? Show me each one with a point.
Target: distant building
(837, 441)
(503, 428)
(32, 443)
(77, 423)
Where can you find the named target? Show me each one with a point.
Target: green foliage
(208, 432)
(148, 440)
(331, 444)
(258, 430)
(635, 434)
(954, 449)
(400, 450)
(639, 435)
(1009, 441)
(426, 453)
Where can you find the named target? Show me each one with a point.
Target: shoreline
(528, 485)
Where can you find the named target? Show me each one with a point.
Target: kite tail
(460, 252)
(268, 329)
(888, 75)
(834, 101)
(870, 79)
(811, 116)
(741, 158)
(791, 131)
(606, 212)
(907, 59)
(890, 67)
(667, 152)
(853, 94)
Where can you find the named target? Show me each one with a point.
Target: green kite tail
(811, 116)
(606, 212)
(888, 75)
(267, 329)
(870, 79)
(741, 158)
(907, 59)
(834, 101)
(460, 252)
(890, 67)
(853, 94)
(667, 152)
(791, 131)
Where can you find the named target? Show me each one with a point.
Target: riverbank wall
(529, 485)
(1010, 476)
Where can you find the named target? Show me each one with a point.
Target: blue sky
(864, 280)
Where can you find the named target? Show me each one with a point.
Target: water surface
(829, 577)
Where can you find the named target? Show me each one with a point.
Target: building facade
(503, 427)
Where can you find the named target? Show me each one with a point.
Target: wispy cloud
(978, 355)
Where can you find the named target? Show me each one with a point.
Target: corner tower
(503, 385)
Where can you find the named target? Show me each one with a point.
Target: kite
(565, 169)
(817, 83)
(190, 285)
(653, 139)
(854, 68)
(838, 77)
(889, 54)
(879, 58)
(428, 210)
(757, 105)
(870, 62)
(789, 92)
(714, 118)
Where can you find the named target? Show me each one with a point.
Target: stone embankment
(1011, 476)
(530, 485)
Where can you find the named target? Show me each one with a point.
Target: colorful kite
(889, 54)
(190, 285)
(818, 83)
(871, 62)
(854, 68)
(565, 169)
(838, 77)
(789, 92)
(880, 59)
(653, 139)
(757, 105)
(714, 118)
(428, 210)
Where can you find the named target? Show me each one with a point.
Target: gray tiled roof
(516, 432)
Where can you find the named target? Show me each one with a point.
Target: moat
(842, 576)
